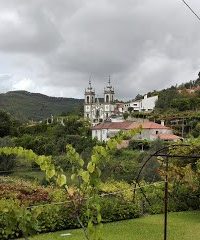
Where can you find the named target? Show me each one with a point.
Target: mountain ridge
(24, 105)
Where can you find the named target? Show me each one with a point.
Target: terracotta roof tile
(113, 125)
(168, 137)
(127, 125)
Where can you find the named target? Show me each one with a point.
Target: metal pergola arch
(164, 152)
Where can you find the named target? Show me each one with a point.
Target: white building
(149, 130)
(97, 111)
(146, 104)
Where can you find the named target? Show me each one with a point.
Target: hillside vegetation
(34, 106)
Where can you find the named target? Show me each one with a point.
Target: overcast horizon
(55, 47)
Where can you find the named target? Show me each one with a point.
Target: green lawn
(182, 226)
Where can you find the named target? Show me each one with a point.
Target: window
(88, 115)
(88, 99)
(107, 98)
(156, 132)
(97, 113)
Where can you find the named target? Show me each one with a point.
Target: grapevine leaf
(91, 167)
(81, 162)
(94, 158)
(61, 180)
(73, 176)
(99, 218)
(50, 173)
(85, 176)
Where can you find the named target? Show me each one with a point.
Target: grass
(182, 226)
(33, 175)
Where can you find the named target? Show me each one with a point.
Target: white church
(95, 110)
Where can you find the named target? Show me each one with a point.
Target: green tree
(196, 130)
(138, 97)
(166, 97)
(181, 104)
(125, 115)
(5, 124)
(130, 109)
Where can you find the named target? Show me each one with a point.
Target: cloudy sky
(54, 46)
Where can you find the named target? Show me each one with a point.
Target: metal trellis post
(166, 198)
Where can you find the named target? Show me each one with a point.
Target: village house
(149, 130)
(146, 104)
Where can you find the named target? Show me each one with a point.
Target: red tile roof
(148, 125)
(113, 125)
(127, 125)
(168, 137)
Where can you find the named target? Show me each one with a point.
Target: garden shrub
(139, 144)
(15, 220)
(184, 198)
(69, 219)
(26, 192)
(115, 209)
(49, 217)
(152, 203)
(120, 188)
(117, 203)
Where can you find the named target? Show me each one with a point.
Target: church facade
(95, 110)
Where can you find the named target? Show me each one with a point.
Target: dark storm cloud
(143, 44)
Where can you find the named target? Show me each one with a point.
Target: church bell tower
(108, 100)
(89, 101)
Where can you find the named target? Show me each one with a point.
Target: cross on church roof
(90, 86)
(109, 83)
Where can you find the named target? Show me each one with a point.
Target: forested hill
(185, 97)
(24, 105)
